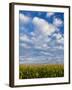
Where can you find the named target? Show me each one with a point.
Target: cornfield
(27, 71)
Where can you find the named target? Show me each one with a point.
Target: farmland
(28, 71)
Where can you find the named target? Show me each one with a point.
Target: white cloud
(38, 47)
(24, 38)
(39, 21)
(42, 46)
(47, 39)
(49, 14)
(57, 22)
(45, 45)
(43, 26)
(40, 39)
(48, 29)
(57, 35)
(45, 53)
(61, 40)
(23, 18)
(40, 36)
(24, 45)
(59, 47)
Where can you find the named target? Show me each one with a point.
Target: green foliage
(40, 71)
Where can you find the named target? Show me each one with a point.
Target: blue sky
(41, 37)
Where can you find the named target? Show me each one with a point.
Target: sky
(41, 37)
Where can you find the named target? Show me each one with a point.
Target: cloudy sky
(41, 37)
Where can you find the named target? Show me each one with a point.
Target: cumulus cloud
(61, 47)
(57, 35)
(25, 38)
(45, 45)
(57, 22)
(23, 18)
(59, 38)
(24, 45)
(39, 21)
(40, 36)
(41, 41)
(42, 46)
(43, 26)
(49, 14)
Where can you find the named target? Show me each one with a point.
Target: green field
(28, 71)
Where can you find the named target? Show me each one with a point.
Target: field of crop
(28, 71)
